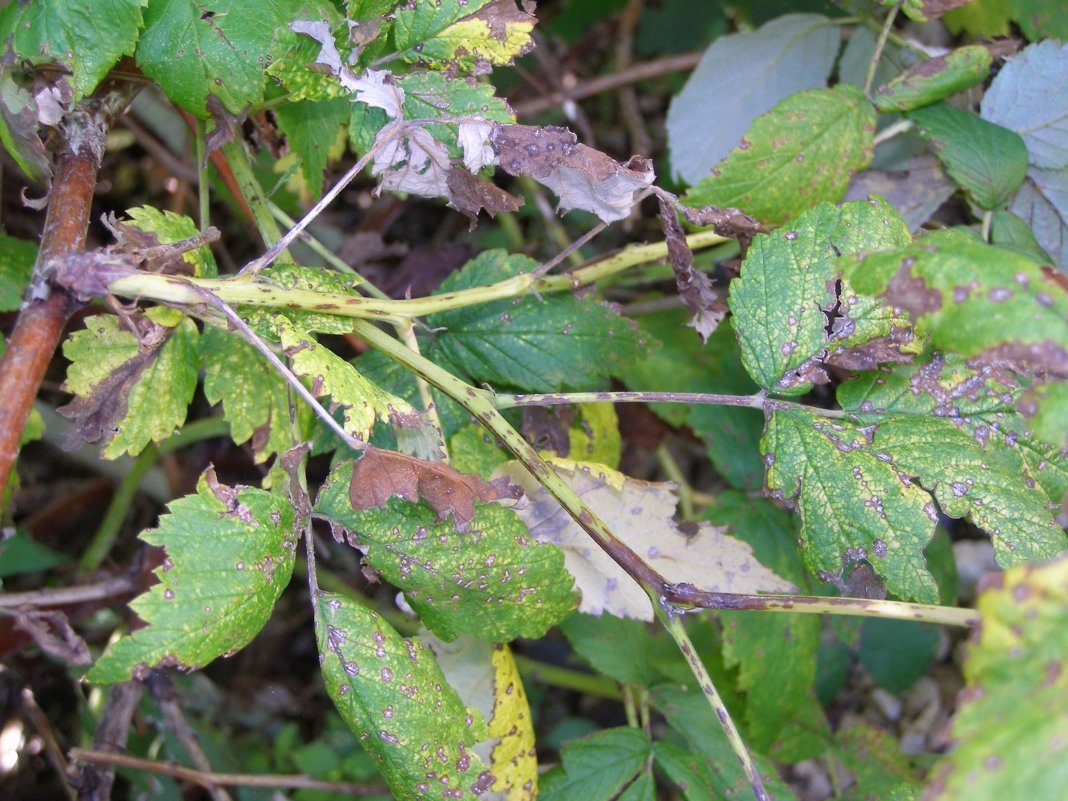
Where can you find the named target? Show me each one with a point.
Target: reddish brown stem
(45, 313)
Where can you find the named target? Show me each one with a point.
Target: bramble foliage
(909, 380)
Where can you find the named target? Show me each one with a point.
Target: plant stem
(880, 43)
(210, 779)
(673, 624)
(890, 131)
(567, 679)
(61, 596)
(247, 290)
(237, 157)
(203, 184)
(988, 217)
(46, 311)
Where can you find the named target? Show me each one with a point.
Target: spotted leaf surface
(87, 39)
(486, 677)
(1009, 732)
(801, 152)
(193, 49)
(973, 298)
(981, 400)
(853, 503)
(598, 767)
(934, 79)
(493, 581)
(789, 314)
(641, 514)
(254, 396)
(229, 556)
(529, 343)
(362, 402)
(392, 694)
(473, 35)
(167, 227)
(118, 383)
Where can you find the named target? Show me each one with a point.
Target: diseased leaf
(934, 79)
(230, 553)
(801, 152)
(254, 395)
(363, 402)
(87, 39)
(1009, 730)
(695, 287)
(789, 313)
(531, 344)
(193, 49)
(747, 73)
(1048, 416)
(854, 506)
(470, 194)
(641, 514)
(380, 475)
(583, 178)
(486, 678)
(165, 228)
(477, 35)
(394, 697)
(598, 767)
(988, 161)
(1030, 96)
(297, 54)
(491, 580)
(16, 266)
(118, 380)
(1041, 20)
(972, 298)
(880, 769)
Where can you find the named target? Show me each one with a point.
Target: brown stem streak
(40, 323)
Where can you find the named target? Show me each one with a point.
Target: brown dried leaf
(695, 288)
(582, 177)
(379, 475)
(734, 223)
(470, 194)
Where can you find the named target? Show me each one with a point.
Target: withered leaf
(470, 194)
(695, 288)
(582, 177)
(734, 223)
(95, 415)
(379, 475)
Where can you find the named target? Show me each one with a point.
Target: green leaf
(1009, 731)
(431, 95)
(988, 161)
(1010, 231)
(782, 300)
(972, 298)
(361, 401)
(21, 553)
(138, 396)
(494, 581)
(486, 677)
(982, 18)
(229, 556)
(934, 79)
(897, 652)
(853, 505)
(170, 227)
(1040, 20)
(881, 771)
(394, 697)
(294, 55)
(19, 129)
(801, 152)
(598, 767)
(747, 73)
(687, 712)
(311, 129)
(1050, 419)
(688, 772)
(193, 49)
(85, 38)
(16, 266)
(474, 35)
(623, 649)
(254, 396)
(473, 449)
(530, 344)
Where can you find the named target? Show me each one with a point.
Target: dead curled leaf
(582, 177)
(379, 475)
(470, 194)
(695, 288)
